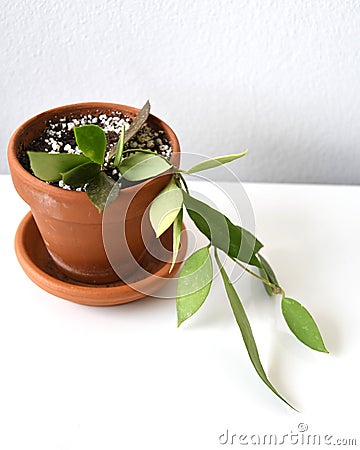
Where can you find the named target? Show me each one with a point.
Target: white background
(125, 378)
(280, 77)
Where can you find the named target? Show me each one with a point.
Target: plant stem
(149, 152)
(183, 181)
(140, 150)
(274, 287)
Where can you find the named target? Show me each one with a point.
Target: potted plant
(98, 158)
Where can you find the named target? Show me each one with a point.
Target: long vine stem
(276, 289)
(181, 177)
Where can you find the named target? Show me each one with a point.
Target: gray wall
(279, 77)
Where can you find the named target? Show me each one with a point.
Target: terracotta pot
(69, 223)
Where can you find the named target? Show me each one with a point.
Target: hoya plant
(88, 171)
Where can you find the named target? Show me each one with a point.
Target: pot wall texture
(280, 77)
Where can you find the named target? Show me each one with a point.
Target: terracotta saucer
(38, 265)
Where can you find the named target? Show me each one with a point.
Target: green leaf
(215, 162)
(102, 191)
(50, 166)
(142, 166)
(302, 324)
(165, 207)
(245, 329)
(222, 233)
(177, 229)
(81, 175)
(120, 147)
(194, 284)
(267, 273)
(91, 140)
(139, 120)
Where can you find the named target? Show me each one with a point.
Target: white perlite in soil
(58, 137)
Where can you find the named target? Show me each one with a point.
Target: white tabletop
(124, 377)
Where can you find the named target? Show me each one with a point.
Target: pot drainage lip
(39, 267)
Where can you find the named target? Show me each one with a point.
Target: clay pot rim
(55, 191)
